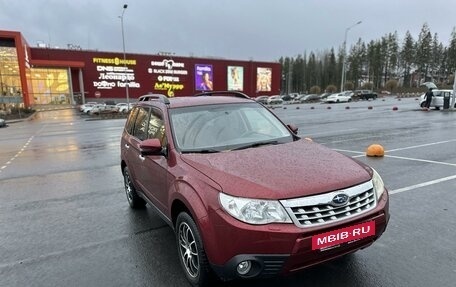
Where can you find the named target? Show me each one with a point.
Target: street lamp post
(124, 55)
(342, 82)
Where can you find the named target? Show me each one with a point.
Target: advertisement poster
(264, 78)
(203, 77)
(235, 78)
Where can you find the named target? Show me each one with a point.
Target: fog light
(244, 267)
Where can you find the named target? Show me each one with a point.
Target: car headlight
(254, 211)
(377, 181)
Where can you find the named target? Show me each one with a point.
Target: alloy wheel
(188, 249)
(128, 187)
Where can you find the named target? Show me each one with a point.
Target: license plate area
(325, 241)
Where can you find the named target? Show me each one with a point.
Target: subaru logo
(340, 199)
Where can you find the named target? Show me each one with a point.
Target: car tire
(423, 104)
(134, 200)
(349, 100)
(190, 249)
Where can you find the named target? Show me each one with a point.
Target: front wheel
(423, 104)
(191, 251)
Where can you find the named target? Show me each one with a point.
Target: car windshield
(215, 128)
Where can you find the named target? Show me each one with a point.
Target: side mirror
(293, 128)
(151, 147)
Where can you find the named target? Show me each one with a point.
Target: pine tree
(407, 56)
(424, 52)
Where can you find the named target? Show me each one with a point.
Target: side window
(141, 123)
(131, 120)
(156, 129)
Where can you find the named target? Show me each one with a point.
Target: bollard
(375, 150)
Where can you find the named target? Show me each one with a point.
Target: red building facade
(55, 76)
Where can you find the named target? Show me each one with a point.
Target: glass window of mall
(50, 86)
(10, 82)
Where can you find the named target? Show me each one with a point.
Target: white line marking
(350, 151)
(427, 183)
(19, 152)
(408, 188)
(422, 145)
(421, 160)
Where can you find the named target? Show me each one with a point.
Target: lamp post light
(342, 82)
(125, 56)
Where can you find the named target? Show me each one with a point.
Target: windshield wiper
(201, 151)
(257, 144)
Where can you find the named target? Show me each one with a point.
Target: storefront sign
(113, 73)
(168, 75)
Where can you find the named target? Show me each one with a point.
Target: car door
(437, 99)
(153, 169)
(132, 142)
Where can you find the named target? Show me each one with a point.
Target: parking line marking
(423, 184)
(350, 151)
(422, 145)
(415, 186)
(18, 153)
(421, 160)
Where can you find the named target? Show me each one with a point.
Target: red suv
(244, 194)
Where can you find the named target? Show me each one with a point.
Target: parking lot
(65, 221)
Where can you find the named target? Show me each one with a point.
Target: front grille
(320, 209)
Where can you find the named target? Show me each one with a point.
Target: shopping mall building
(42, 75)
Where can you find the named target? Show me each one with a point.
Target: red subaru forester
(244, 194)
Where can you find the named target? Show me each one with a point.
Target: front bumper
(281, 248)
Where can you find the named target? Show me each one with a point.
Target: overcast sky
(234, 29)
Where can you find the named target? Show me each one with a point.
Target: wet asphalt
(65, 221)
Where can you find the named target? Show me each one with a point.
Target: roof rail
(223, 93)
(149, 97)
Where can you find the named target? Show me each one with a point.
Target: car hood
(281, 171)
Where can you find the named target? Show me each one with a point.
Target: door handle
(141, 157)
(127, 146)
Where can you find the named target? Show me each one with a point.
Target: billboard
(264, 79)
(203, 77)
(235, 78)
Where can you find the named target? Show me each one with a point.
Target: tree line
(386, 63)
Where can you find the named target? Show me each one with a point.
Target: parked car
(262, 99)
(287, 99)
(123, 107)
(97, 109)
(86, 105)
(298, 99)
(195, 161)
(2, 123)
(437, 99)
(310, 98)
(365, 95)
(339, 97)
(324, 96)
(88, 108)
(274, 101)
